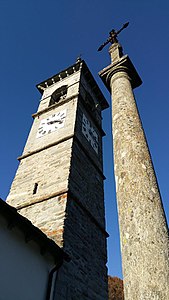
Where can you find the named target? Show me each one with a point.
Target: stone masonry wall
(34, 143)
(48, 216)
(85, 276)
(46, 168)
(68, 204)
(72, 83)
(87, 184)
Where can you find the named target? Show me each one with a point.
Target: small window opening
(35, 188)
(58, 95)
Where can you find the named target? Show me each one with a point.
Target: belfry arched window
(58, 95)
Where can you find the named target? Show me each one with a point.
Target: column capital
(122, 64)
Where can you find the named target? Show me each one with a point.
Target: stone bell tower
(143, 227)
(59, 182)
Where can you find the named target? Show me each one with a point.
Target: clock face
(90, 133)
(51, 123)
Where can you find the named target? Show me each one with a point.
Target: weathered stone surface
(143, 228)
(68, 203)
(34, 143)
(87, 184)
(45, 168)
(82, 239)
(97, 159)
(49, 216)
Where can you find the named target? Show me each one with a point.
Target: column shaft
(143, 228)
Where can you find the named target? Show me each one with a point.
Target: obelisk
(143, 227)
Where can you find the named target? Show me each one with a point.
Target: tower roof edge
(79, 65)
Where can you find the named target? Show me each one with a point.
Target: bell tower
(59, 181)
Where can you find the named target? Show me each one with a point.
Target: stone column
(143, 228)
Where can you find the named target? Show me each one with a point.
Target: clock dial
(90, 133)
(51, 123)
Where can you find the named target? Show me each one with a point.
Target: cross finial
(79, 58)
(113, 36)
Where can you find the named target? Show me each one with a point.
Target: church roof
(31, 232)
(80, 64)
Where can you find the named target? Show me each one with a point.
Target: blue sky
(40, 38)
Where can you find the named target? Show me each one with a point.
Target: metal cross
(113, 36)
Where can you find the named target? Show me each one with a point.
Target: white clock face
(51, 123)
(90, 133)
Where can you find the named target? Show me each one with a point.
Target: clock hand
(55, 121)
